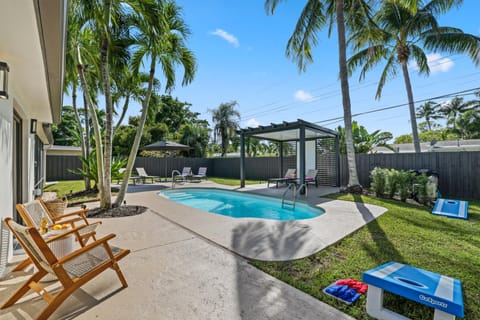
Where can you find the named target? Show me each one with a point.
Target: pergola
(300, 131)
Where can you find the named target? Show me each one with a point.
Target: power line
(458, 93)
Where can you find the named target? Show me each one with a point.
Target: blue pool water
(240, 205)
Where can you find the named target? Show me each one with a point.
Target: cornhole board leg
(376, 310)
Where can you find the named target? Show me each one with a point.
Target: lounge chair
(202, 174)
(33, 211)
(183, 176)
(142, 174)
(311, 177)
(72, 271)
(289, 175)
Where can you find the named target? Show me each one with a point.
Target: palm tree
(226, 120)
(312, 20)
(160, 36)
(429, 111)
(454, 108)
(397, 37)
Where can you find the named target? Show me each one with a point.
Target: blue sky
(241, 56)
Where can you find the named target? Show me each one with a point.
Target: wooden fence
(458, 171)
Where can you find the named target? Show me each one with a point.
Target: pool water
(240, 205)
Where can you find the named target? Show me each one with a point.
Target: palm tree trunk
(353, 182)
(87, 135)
(106, 199)
(138, 135)
(80, 129)
(96, 125)
(411, 105)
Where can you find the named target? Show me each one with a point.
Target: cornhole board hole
(451, 208)
(440, 292)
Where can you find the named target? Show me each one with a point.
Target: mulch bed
(121, 211)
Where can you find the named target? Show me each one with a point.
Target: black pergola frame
(300, 129)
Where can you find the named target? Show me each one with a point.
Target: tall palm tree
(314, 17)
(454, 108)
(160, 34)
(429, 110)
(401, 35)
(226, 120)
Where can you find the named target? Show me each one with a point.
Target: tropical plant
(429, 111)
(404, 184)
(226, 119)
(379, 181)
(363, 141)
(400, 35)
(66, 133)
(89, 168)
(197, 138)
(314, 17)
(160, 35)
(454, 108)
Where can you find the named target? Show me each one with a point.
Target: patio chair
(311, 177)
(142, 174)
(72, 271)
(182, 176)
(202, 174)
(33, 211)
(290, 174)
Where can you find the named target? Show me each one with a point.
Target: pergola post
(242, 160)
(280, 153)
(337, 158)
(301, 174)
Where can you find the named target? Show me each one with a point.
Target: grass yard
(68, 187)
(406, 233)
(233, 182)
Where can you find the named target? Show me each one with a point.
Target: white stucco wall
(6, 169)
(310, 156)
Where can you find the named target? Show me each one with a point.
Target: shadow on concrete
(273, 242)
(145, 187)
(77, 303)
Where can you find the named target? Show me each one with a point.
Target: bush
(420, 187)
(392, 182)
(378, 176)
(404, 184)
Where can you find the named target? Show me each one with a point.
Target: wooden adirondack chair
(72, 270)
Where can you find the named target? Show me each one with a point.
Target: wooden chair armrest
(88, 247)
(66, 233)
(68, 221)
(80, 212)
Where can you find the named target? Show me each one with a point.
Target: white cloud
(230, 38)
(303, 96)
(436, 63)
(252, 123)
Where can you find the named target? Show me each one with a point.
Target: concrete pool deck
(173, 274)
(262, 239)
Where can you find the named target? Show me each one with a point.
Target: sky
(240, 51)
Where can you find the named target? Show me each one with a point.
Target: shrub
(392, 182)
(420, 187)
(378, 177)
(404, 184)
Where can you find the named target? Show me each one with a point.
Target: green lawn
(407, 234)
(67, 187)
(233, 182)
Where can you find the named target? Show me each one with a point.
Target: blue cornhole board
(451, 208)
(425, 287)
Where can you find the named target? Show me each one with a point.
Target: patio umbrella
(165, 145)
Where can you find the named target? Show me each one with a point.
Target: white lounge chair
(202, 174)
(144, 176)
(289, 175)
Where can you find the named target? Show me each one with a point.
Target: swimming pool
(240, 205)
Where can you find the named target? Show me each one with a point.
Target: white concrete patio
(175, 273)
